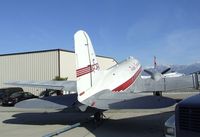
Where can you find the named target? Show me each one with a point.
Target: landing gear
(157, 93)
(98, 117)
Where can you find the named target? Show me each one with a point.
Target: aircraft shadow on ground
(71, 116)
(146, 102)
(139, 126)
(47, 118)
(152, 124)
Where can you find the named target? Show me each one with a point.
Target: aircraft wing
(58, 85)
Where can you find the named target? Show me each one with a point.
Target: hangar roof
(50, 50)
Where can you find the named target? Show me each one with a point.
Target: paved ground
(126, 123)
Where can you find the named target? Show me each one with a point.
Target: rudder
(87, 67)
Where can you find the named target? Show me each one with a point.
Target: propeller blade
(165, 71)
(148, 72)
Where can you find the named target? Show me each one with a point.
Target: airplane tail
(87, 67)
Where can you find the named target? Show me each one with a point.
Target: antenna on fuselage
(154, 62)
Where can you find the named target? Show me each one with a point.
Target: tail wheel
(98, 117)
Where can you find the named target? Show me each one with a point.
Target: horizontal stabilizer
(53, 102)
(107, 100)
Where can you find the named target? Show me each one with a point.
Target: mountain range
(185, 69)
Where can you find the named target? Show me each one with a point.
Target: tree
(58, 78)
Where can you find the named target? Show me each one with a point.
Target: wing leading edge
(58, 85)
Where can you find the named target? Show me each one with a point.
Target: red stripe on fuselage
(128, 83)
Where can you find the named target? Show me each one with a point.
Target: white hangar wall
(42, 65)
(68, 63)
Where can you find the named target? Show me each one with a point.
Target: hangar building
(42, 65)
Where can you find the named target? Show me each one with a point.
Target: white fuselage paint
(118, 78)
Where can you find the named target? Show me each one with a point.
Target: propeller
(156, 75)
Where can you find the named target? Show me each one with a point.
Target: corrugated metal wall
(67, 65)
(32, 66)
(106, 63)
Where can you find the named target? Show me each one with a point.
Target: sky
(167, 29)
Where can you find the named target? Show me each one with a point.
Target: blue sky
(168, 29)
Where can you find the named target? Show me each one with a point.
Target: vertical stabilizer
(87, 67)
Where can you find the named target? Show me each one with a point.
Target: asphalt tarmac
(16, 122)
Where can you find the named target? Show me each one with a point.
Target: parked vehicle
(170, 129)
(186, 122)
(6, 92)
(17, 97)
(51, 92)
